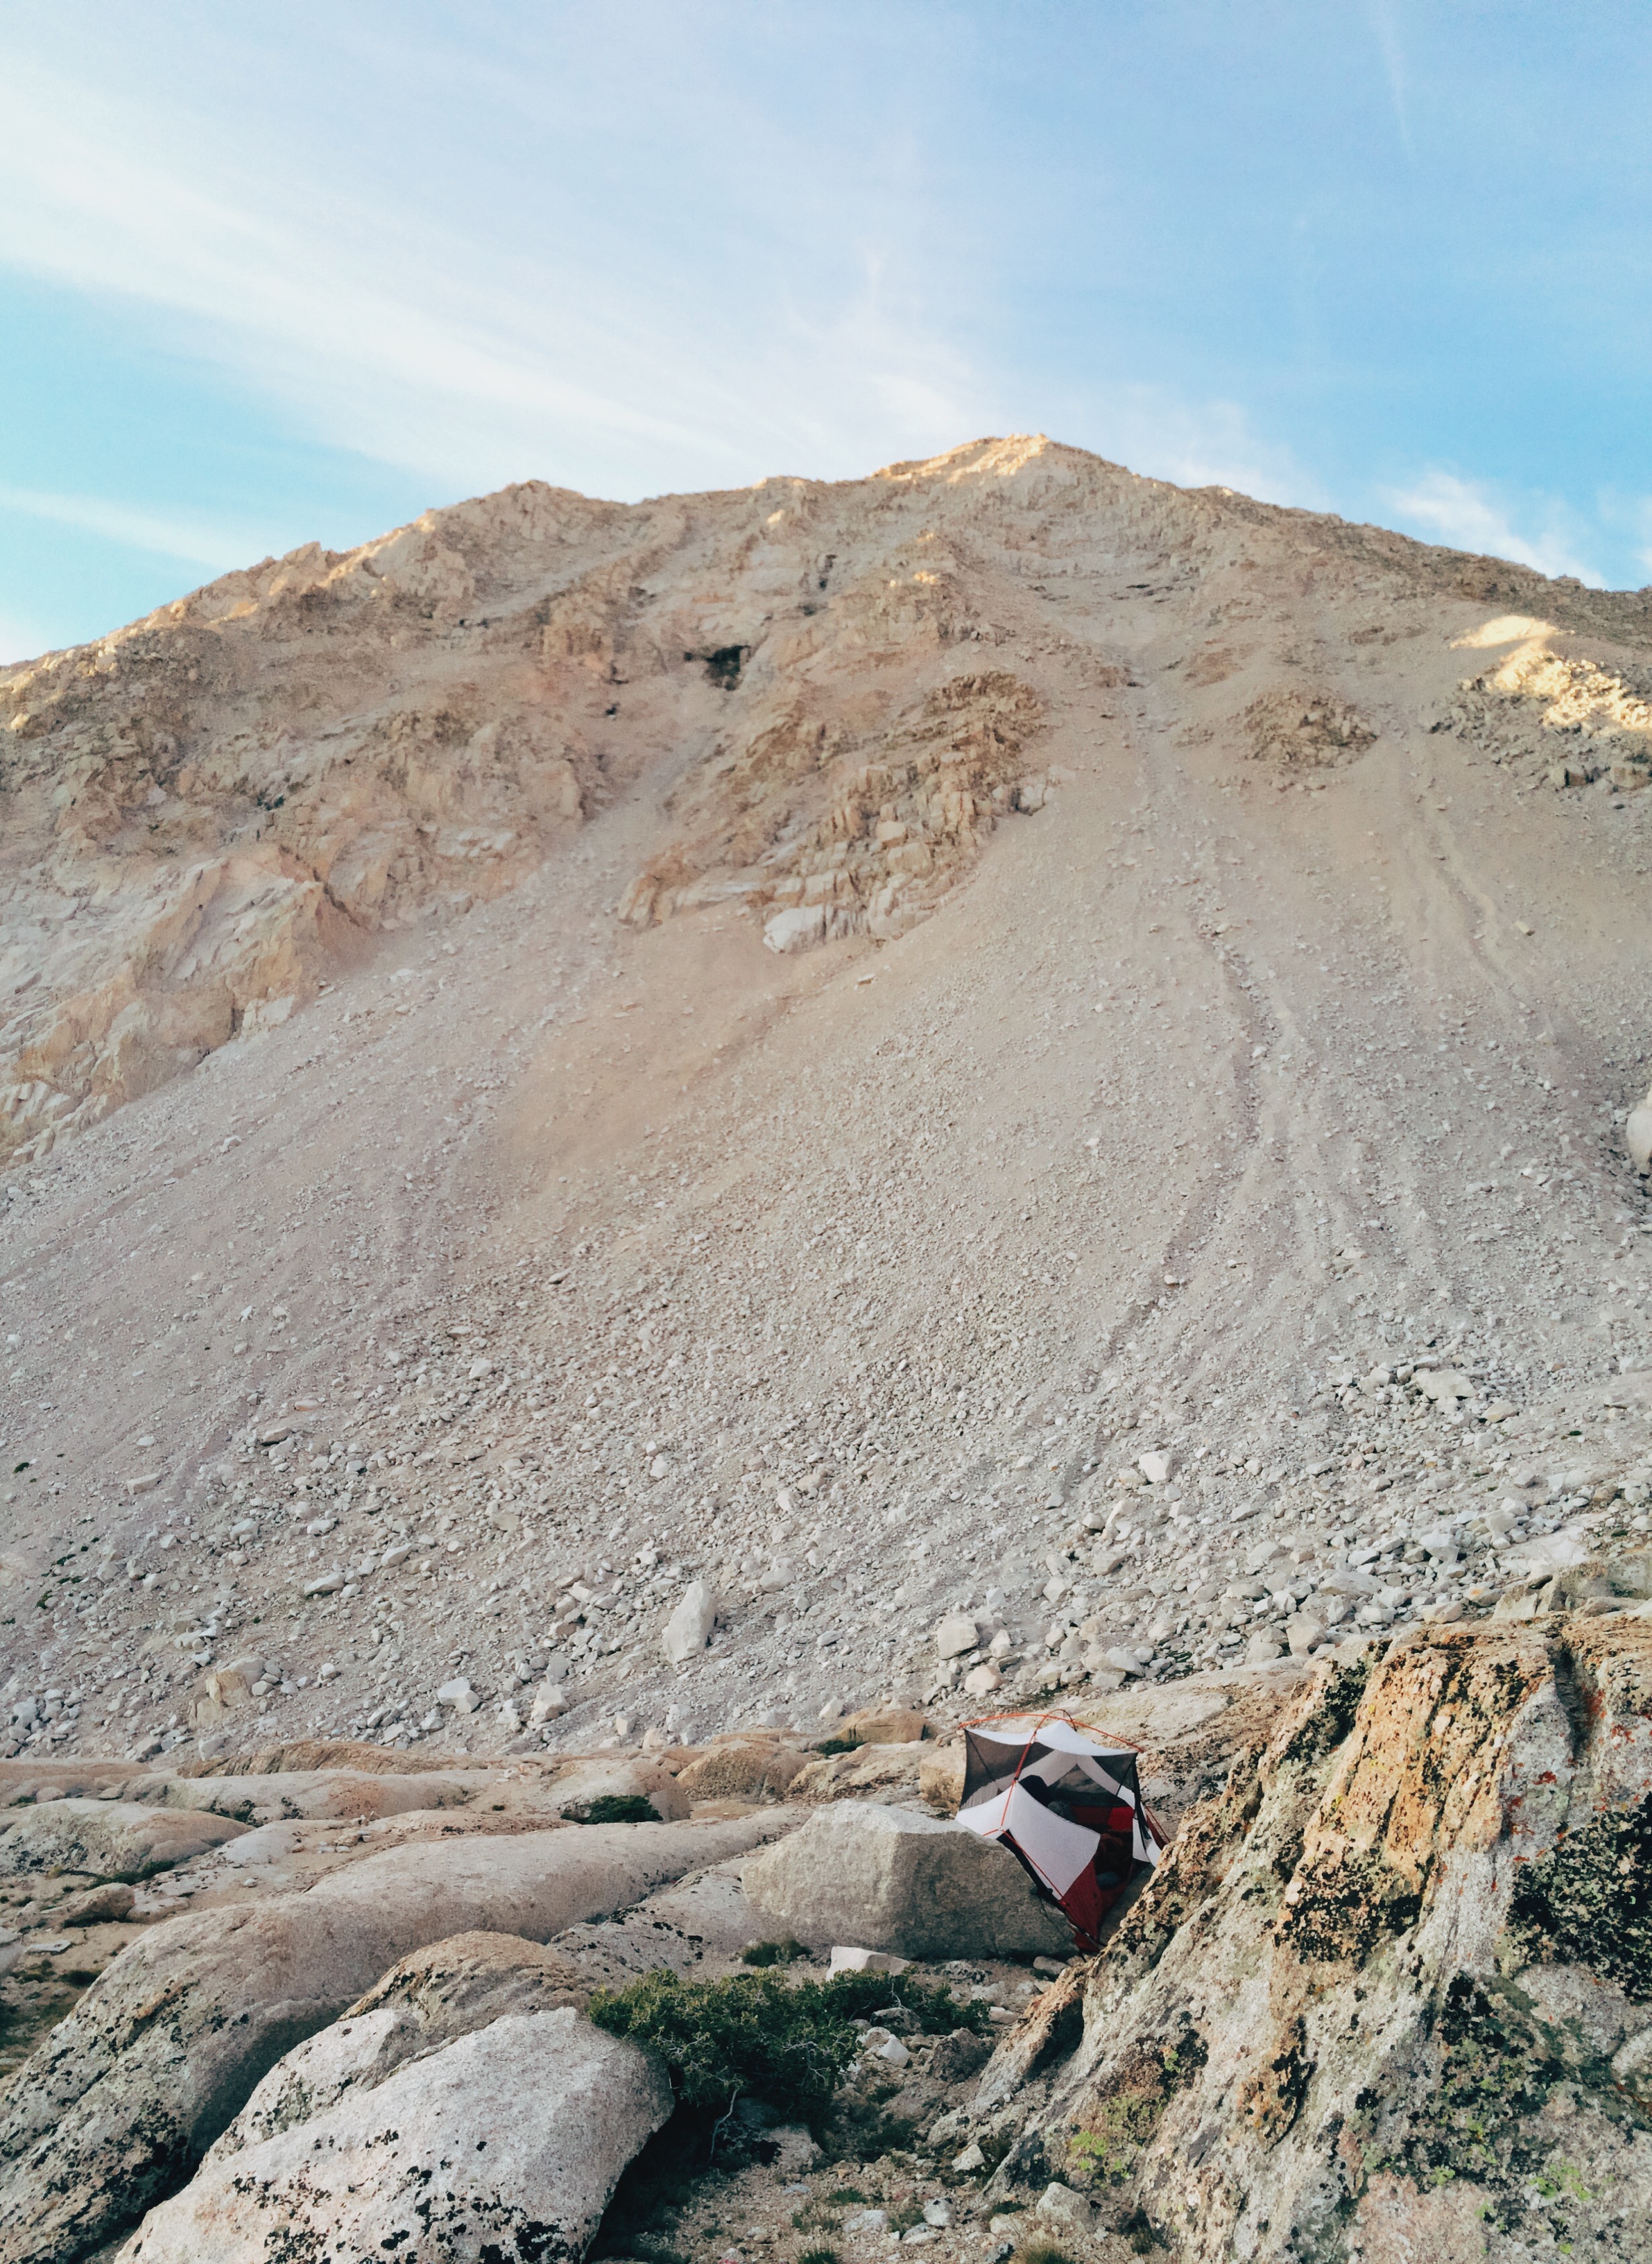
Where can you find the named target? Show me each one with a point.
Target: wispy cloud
(1468, 516)
(1386, 32)
(395, 332)
(195, 542)
(1197, 444)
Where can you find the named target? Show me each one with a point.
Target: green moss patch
(1106, 2148)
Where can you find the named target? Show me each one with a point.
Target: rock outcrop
(125, 2096)
(113, 1839)
(443, 1991)
(507, 2142)
(1390, 1993)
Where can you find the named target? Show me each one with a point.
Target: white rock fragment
(1637, 1135)
(689, 1630)
(955, 1634)
(796, 928)
(1059, 2205)
(847, 1959)
(1444, 1386)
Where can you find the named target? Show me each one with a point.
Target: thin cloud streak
(194, 541)
(1387, 33)
(1445, 508)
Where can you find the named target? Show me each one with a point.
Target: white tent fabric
(1057, 1850)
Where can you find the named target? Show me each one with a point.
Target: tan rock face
(216, 805)
(124, 2095)
(1402, 1951)
(444, 1990)
(209, 812)
(818, 841)
(507, 2142)
(742, 1769)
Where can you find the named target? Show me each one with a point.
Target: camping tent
(1066, 1803)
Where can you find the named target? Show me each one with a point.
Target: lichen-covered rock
(504, 2145)
(122, 2099)
(113, 1839)
(1387, 1992)
(441, 1993)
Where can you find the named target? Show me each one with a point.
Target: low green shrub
(619, 1808)
(772, 1953)
(762, 2035)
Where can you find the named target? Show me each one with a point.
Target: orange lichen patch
(1425, 1765)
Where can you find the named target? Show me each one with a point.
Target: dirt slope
(1184, 991)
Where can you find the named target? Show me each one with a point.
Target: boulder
(114, 2107)
(110, 1839)
(858, 1872)
(441, 1993)
(959, 2055)
(1064, 2211)
(689, 1630)
(741, 1769)
(955, 1634)
(577, 1794)
(507, 2142)
(885, 1725)
(219, 1692)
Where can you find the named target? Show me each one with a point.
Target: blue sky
(270, 276)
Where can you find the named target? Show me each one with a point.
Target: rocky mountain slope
(1001, 1044)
